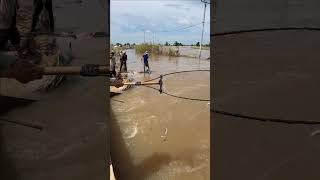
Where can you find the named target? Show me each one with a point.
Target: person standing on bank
(123, 60)
(38, 6)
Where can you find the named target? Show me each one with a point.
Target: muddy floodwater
(154, 136)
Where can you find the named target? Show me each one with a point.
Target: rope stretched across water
(175, 96)
(266, 29)
(266, 119)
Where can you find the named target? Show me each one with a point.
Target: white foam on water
(131, 131)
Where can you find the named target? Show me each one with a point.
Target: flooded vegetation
(157, 49)
(154, 136)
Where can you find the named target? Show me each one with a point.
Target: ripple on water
(176, 168)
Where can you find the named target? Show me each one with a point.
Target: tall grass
(171, 52)
(155, 49)
(152, 49)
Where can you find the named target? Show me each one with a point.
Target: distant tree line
(125, 44)
(176, 43)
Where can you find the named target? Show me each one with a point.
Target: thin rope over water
(266, 29)
(175, 96)
(266, 119)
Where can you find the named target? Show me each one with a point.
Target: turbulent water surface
(155, 136)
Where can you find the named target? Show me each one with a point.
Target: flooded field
(154, 136)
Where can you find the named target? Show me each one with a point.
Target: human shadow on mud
(124, 168)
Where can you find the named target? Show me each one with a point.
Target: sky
(131, 18)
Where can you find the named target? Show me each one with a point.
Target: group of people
(123, 63)
(11, 66)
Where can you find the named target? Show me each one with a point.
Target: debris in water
(164, 136)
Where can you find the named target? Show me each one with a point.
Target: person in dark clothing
(113, 72)
(146, 62)
(38, 4)
(8, 23)
(123, 61)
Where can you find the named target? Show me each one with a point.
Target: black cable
(175, 96)
(179, 28)
(178, 72)
(33, 126)
(265, 29)
(266, 119)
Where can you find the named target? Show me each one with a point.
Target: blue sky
(130, 18)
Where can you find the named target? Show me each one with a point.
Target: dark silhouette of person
(123, 61)
(38, 6)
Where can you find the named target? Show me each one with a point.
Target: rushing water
(155, 136)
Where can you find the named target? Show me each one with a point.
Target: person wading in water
(145, 58)
(123, 61)
(38, 6)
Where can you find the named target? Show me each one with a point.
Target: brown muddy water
(154, 136)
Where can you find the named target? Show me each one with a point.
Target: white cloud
(130, 18)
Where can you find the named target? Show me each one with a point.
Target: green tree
(198, 44)
(166, 44)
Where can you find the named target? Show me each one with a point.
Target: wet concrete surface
(154, 136)
(73, 142)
